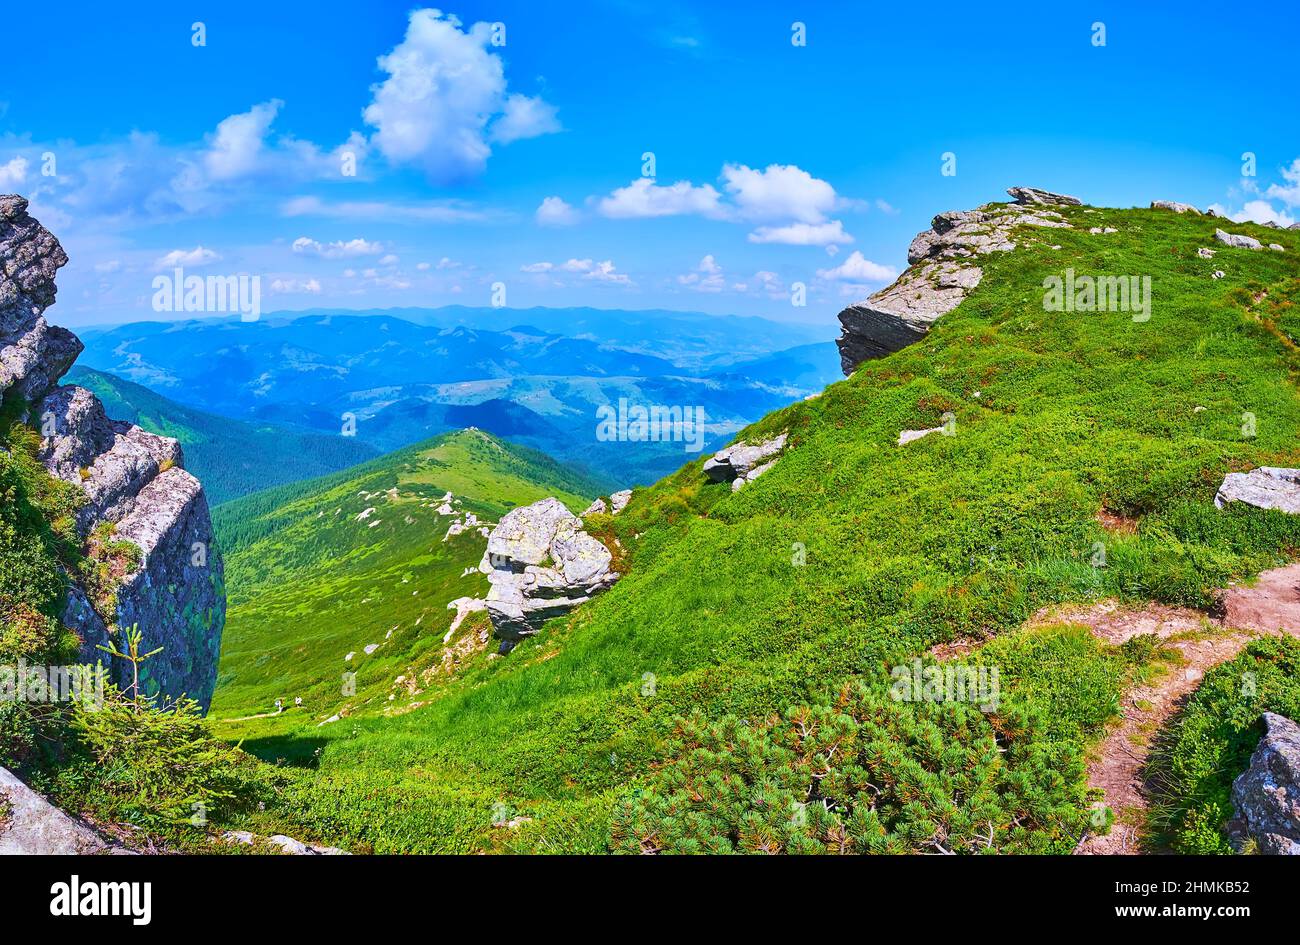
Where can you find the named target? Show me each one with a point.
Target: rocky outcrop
(1032, 195)
(1266, 797)
(32, 826)
(617, 502)
(541, 564)
(742, 463)
(940, 274)
(1173, 205)
(287, 846)
(135, 485)
(1268, 487)
(1237, 240)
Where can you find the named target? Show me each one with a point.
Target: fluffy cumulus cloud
(444, 102)
(240, 140)
(793, 206)
(644, 198)
(857, 268)
(555, 212)
(778, 192)
(13, 173)
(1262, 209)
(802, 234)
(339, 249)
(194, 258)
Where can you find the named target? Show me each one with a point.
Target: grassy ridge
(313, 575)
(853, 554)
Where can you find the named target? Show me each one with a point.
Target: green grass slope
(313, 575)
(231, 458)
(850, 555)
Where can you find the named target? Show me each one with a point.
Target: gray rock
(1237, 240)
(1030, 195)
(288, 845)
(540, 565)
(742, 461)
(618, 501)
(1294, 226)
(133, 481)
(939, 277)
(1277, 247)
(1174, 206)
(1266, 796)
(1205, 252)
(32, 826)
(596, 508)
(909, 436)
(1268, 487)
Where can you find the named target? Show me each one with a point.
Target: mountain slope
(1087, 450)
(322, 568)
(231, 457)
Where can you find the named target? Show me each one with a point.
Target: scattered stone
(1174, 206)
(541, 565)
(741, 463)
(1237, 240)
(1276, 247)
(370, 648)
(908, 436)
(288, 845)
(1268, 487)
(596, 508)
(1096, 230)
(618, 501)
(1217, 274)
(1205, 253)
(1266, 796)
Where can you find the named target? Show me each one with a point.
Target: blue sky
(521, 164)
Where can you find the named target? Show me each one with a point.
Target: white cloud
(802, 234)
(578, 265)
(422, 267)
(857, 268)
(524, 117)
(338, 249)
(13, 173)
(778, 192)
(108, 266)
(442, 211)
(536, 267)
(239, 142)
(198, 256)
(707, 276)
(445, 97)
(1289, 195)
(446, 262)
(644, 198)
(295, 287)
(604, 272)
(389, 260)
(1261, 211)
(555, 212)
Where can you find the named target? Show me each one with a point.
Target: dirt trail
(1271, 606)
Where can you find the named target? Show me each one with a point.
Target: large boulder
(742, 462)
(540, 564)
(135, 485)
(940, 274)
(1173, 205)
(1029, 195)
(1268, 487)
(1266, 797)
(1237, 240)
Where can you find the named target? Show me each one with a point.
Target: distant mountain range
(392, 380)
(231, 458)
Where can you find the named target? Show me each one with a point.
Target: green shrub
(1213, 739)
(861, 774)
